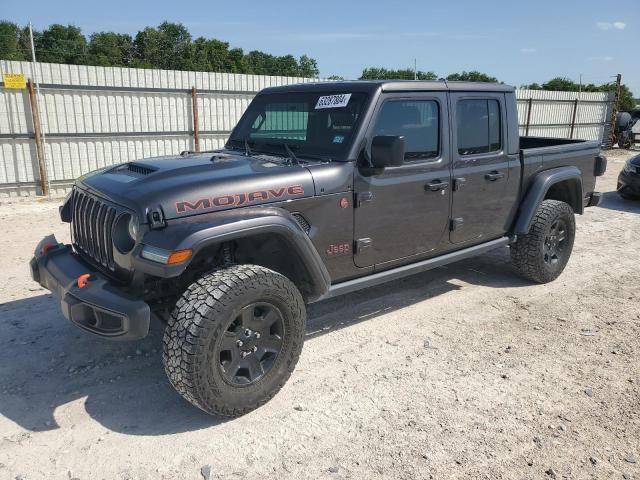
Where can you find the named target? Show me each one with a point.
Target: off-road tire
(527, 254)
(201, 317)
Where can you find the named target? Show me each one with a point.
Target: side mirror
(387, 151)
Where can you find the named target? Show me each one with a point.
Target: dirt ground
(462, 372)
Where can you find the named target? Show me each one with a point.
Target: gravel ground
(463, 372)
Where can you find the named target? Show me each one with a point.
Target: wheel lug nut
(247, 333)
(254, 349)
(244, 354)
(239, 343)
(257, 335)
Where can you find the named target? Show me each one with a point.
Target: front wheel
(234, 338)
(542, 254)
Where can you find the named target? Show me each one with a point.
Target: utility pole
(415, 69)
(42, 133)
(614, 111)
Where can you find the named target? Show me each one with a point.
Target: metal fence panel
(99, 116)
(559, 114)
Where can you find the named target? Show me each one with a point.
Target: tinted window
(478, 123)
(418, 121)
(313, 123)
(285, 120)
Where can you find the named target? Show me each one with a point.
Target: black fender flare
(199, 232)
(540, 185)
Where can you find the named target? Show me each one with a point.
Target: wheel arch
(269, 237)
(563, 184)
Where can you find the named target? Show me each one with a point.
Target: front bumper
(98, 307)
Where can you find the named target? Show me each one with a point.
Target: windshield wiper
(292, 156)
(247, 149)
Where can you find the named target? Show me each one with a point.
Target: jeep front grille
(91, 225)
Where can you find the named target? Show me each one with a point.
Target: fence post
(614, 112)
(37, 133)
(194, 108)
(526, 130)
(573, 118)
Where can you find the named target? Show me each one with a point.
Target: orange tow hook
(83, 279)
(46, 248)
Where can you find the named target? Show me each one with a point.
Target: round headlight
(125, 232)
(133, 227)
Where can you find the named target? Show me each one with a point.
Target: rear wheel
(542, 254)
(234, 338)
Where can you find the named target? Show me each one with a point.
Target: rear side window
(418, 121)
(479, 126)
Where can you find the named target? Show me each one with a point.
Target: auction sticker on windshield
(333, 101)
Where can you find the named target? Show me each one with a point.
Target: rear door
(404, 211)
(480, 209)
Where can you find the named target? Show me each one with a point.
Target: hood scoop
(134, 168)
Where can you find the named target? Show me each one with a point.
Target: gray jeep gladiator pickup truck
(320, 190)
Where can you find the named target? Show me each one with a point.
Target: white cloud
(611, 25)
(526, 50)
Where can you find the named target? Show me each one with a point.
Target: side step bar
(413, 268)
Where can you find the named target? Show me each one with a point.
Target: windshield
(315, 124)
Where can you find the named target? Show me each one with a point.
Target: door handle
(493, 176)
(436, 185)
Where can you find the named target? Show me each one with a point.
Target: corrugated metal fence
(98, 116)
(583, 115)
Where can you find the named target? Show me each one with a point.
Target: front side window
(479, 126)
(314, 123)
(418, 121)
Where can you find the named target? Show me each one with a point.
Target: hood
(199, 183)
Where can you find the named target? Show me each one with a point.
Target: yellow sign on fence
(14, 80)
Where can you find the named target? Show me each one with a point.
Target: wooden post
(37, 132)
(573, 119)
(194, 108)
(614, 112)
(526, 131)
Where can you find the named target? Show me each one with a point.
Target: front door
(480, 167)
(404, 211)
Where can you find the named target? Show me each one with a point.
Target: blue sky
(518, 42)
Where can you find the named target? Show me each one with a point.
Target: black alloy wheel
(251, 343)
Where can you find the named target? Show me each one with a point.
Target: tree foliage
(564, 84)
(12, 42)
(473, 76)
(168, 46)
(378, 73)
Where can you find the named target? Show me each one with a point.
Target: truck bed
(542, 153)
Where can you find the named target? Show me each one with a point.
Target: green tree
(236, 62)
(627, 102)
(61, 44)
(564, 84)
(308, 67)
(110, 49)
(167, 47)
(377, 73)
(11, 45)
(209, 55)
(472, 76)
(261, 63)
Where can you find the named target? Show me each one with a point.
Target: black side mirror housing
(387, 151)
